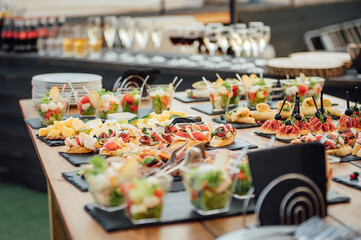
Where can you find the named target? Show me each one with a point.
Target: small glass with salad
(105, 102)
(53, 106)
(84, 105)
(259, 92)
(293, 86)
(220, 95)
(315, 87)
(237, 90)
(244, 182)
(130, 99)
(144, 198)
(210, 186)
(161, 97)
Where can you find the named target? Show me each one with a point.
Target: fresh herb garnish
(150, 160)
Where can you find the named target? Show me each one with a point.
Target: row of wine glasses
(242, 40)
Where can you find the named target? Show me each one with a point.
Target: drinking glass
(141, 35)
(80, 45)
(209, 186)
(258, 93)
(220, 97)
(293, 86)
(210, 40)
(94, 31)
(244, 182)
(129, 99)
(50, 110)
(66, 33)
(126, 31)
(161, 97)
(248, 43)
(223, 37)
(265, 39)
(157, 38)
(109, 29)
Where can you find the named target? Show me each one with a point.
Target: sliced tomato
(134, 108)
(265, 93)
(165, 101)
(198, 136)
(302, 90)
(203, 128)
(212, 97)
(159, 193)
(110, 146)
(194, 195)
(242, 176)
(47, 115)
(319, 89)
(251, 96)
(129, 98)
(182, 134)
(84, 100)
(77, 140)
(235, 90)
(56, 111)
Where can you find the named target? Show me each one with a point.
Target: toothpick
(85, 89)
(239, 77)
(205, 80)
(175, 79)
(141, 92)
(62, 90)
(179, 82)
(218, 76)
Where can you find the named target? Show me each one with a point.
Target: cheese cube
(43, 132)
(77, 124)
(54, 133)
(68, 122)
(68, 132)
(58, 125)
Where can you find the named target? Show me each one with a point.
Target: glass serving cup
(51, 111)
(236, 91)
(258, 94)
(84, 105)
(106, 190)
(144, 198)
(220, 97)
(210, 188)
(110, 104)
(161, 97)
(244, 182)
(130, 99)
(315, 87)
(291, 87)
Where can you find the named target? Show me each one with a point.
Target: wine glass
(210, 40)
(110, 26)
(175, 34)
(266, 37)
(248, 42)
(141, 35)
(94, 32)
(157, 38)
(223, 37)
(126, 35)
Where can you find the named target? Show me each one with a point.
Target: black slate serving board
(80, 183)
(236, 145)
(335, 197)
(118, 221)
(206, 109)
(77, 158)
(349, 158)
(345, 179)
(270, 135)
(36, 124)
(51, 143)
(236, 125)
(184, 98)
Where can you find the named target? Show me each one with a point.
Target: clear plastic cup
(84, 105)
(236, 88)
(161, 97)
(129, 99)
(258, 94)
(315, 87)
(50, 111)
(110, 104)
(291, 87)
(210, 188)
(244, 182)
(144, 198)
(220, 97)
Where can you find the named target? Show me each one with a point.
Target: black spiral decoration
(290, 200)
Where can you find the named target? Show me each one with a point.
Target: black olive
(288, 122)
(348, 112)
(355, 109)
(278, 116)
(317, 114)
(298, 117)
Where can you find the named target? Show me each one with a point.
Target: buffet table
(68, 219)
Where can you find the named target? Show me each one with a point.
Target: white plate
(65, 77)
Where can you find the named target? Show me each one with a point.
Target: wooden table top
(81, 225)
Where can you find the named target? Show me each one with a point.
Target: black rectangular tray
(171, 213)
(36, 124)
(346, 180)
(236, 125)
(270, 135)
(77, 159)
(184, 98)
(236, 145)
(51, 143)
(80, 183)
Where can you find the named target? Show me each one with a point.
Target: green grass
(24, 214)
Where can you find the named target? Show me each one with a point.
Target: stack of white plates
(44, 82)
